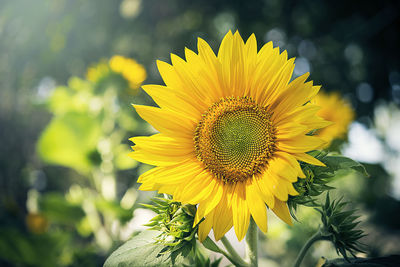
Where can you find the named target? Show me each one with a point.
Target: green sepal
(210, 244)
(339, 227)
(318, 177)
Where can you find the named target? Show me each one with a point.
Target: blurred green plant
(87, 133)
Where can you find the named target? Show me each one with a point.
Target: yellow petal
(213, 201)
(157, 160)
(271, 181)
(169, 189)
(279, 82)
(282, 211)
(148, 187)
(299, 114)
(240, 211)
(266, 193)
(193, 85)
(159, 144)
(207, 205)
(290, 189)
(204, 69)
(205, 228)
(211, 68)
(167, 122)
(170, 99)
(308, 159)
(172, 174)
(290, 130)
(270, 68)
(300, 144)
(297, 94)
(173, 81)
(283, 168)
(292, 161)
(199, 188)
(256, 205)
(223, 219)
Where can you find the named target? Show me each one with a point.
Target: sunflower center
(235, 138)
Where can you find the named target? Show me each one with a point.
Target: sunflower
(132, 71)
(337, 110)
(98, 71)
(232, 128)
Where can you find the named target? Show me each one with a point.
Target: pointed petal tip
(237, 35)
(263, 227)
(160, 62)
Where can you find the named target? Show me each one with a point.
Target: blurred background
(69, 71)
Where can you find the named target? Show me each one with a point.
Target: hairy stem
(232, 251)
(251, 243)
(232, 257)
(316, 237)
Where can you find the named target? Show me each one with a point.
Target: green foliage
(142, 250)
(27, 249)
(175, 221)
(339, 227)
(200, 260)
(73, 34)
(209, 244)
(317, 178)
(70, 140)
(88, 132)
(113, 209)
(392, 260)
(169, 241)
(58, 210)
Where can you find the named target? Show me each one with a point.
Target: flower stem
(231, 255)
(316, 237)
(251, 244)
(232, 251)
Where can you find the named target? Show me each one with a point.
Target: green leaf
(138, 251)
(113, 209)
(57, 209)
(337, 162)
(70, 140)
(142, 250)
(209, 244)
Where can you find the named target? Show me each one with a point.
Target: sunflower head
(336, 109)
(232, 130)
(235, 138)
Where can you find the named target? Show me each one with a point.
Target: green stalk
(316, 237)
(231, 255)
(232, 252)
(251, 244)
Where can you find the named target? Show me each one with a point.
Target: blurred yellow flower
(97, 71)
(132, 71)
(36, 223)
(337, 110)
(232, 130)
